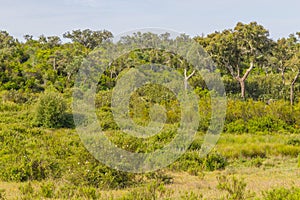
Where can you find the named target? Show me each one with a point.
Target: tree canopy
(251, 63)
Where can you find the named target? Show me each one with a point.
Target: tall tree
(239, 50)
(282, 53)
(294, 64)
(12, 57)
(88, 38)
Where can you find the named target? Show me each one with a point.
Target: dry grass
(275, 172)
(284, 173)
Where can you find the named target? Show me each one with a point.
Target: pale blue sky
(54, 17)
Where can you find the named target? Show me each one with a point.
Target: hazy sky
(54, 17)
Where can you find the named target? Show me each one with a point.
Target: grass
(251, 145)
(274, 171)
(284, 173)
(264, 161)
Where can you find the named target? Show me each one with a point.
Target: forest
(256, 157)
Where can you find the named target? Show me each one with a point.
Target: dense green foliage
(249, 60)
(51, 110)
(282, 193)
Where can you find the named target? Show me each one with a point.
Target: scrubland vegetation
(256, 157)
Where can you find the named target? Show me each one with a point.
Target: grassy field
(273, 172)
(41, 163)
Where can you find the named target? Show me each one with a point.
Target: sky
(193, 17)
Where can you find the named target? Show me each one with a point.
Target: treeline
(252, 64)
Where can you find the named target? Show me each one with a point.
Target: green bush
(257, 116)
(237, 126)
(51, 110)
(190, 161)
(282, 193)
(29, 169)
(293, 142)
(265, 123)
(16, 96)
(91, 173)
(214, 161)
(194, 164)
(256, 162)
(191, 196)
(235, 188)
(9, 106)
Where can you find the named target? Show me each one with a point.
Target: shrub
(15, 96)
(2, 194)
(256, 162)
(293, 142)
(9, 106)
(282, 193)
(235, 188)
(191, 196)
(190, 161)
(265, 123)
(96, 175)
(50, 111)
(257, 116)
(214, 161)
(194, 164)
(237, 126)
(30, 169)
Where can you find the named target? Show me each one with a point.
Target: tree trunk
(186, 78)
(242, 84)
(185, 84)
(241, 80)
(54, 64)
(292, 94)
(292, 88)
(282, 77)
